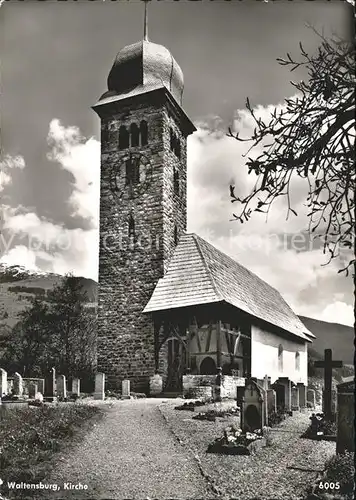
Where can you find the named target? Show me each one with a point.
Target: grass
(341, 468)
(261, 475)
(30, 439)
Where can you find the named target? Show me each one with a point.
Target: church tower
(143, 202)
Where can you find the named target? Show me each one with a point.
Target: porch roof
(199, 273)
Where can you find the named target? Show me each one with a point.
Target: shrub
(29, 437)
(341, 468)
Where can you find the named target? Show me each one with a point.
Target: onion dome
(144, 66)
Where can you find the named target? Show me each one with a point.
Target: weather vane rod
(145, 35)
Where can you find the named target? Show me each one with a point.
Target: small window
(131, 227)
(135, 135)
(144, 133)
(297, 361)
(280, 357)
(171, 139)
(132, 172)
(175, 235)
(177, 148)
(123, 138)
(176, 185)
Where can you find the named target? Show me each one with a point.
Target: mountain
(18, 286)
(338, 338)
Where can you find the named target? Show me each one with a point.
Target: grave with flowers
(212, 414)
(236, 442)
(321, 428)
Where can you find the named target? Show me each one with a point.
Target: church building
(169, 302)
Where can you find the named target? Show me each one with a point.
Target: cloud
(37, 242)
(21, 255)
(7, 164)
(80, 157)
(338, 312)
(280, 251)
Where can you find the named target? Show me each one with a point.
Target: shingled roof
(199, 273)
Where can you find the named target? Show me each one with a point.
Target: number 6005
(325, 485)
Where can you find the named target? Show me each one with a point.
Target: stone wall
(129, 267)
(191, 382)
(228, 387)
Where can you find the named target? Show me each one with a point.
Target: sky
(55, 60)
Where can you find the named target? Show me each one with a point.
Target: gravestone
(50, 385)
(3, 382)
(125, 388)
(287, 386)
(156, 384)
(61, 386)
(302, 395)
(76, 386)
(271, 401)
(328, 364)
(252, 407)
(311, 397)
(295, 398)
(18, 385)
(32, 390)
(280, 395)
(345, 440)
(99, 391)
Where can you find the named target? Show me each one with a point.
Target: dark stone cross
(328, 364)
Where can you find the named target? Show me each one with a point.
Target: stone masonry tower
(142, 202)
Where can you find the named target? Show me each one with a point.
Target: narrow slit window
(132, 172)
(176, 185)
(175, 235)
(131, 227)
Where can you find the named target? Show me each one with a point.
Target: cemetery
(253, 424)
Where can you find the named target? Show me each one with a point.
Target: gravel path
(131, 454)
(282, 471)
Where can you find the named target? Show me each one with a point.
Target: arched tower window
(176, 186)
(297, 361)
(177, 148)
(131, 227)
(123, 137)
(175, 235)
(135, 135)
(171, 139)
(280, 357)
(144, 133)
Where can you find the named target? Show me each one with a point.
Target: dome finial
(145, 25)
